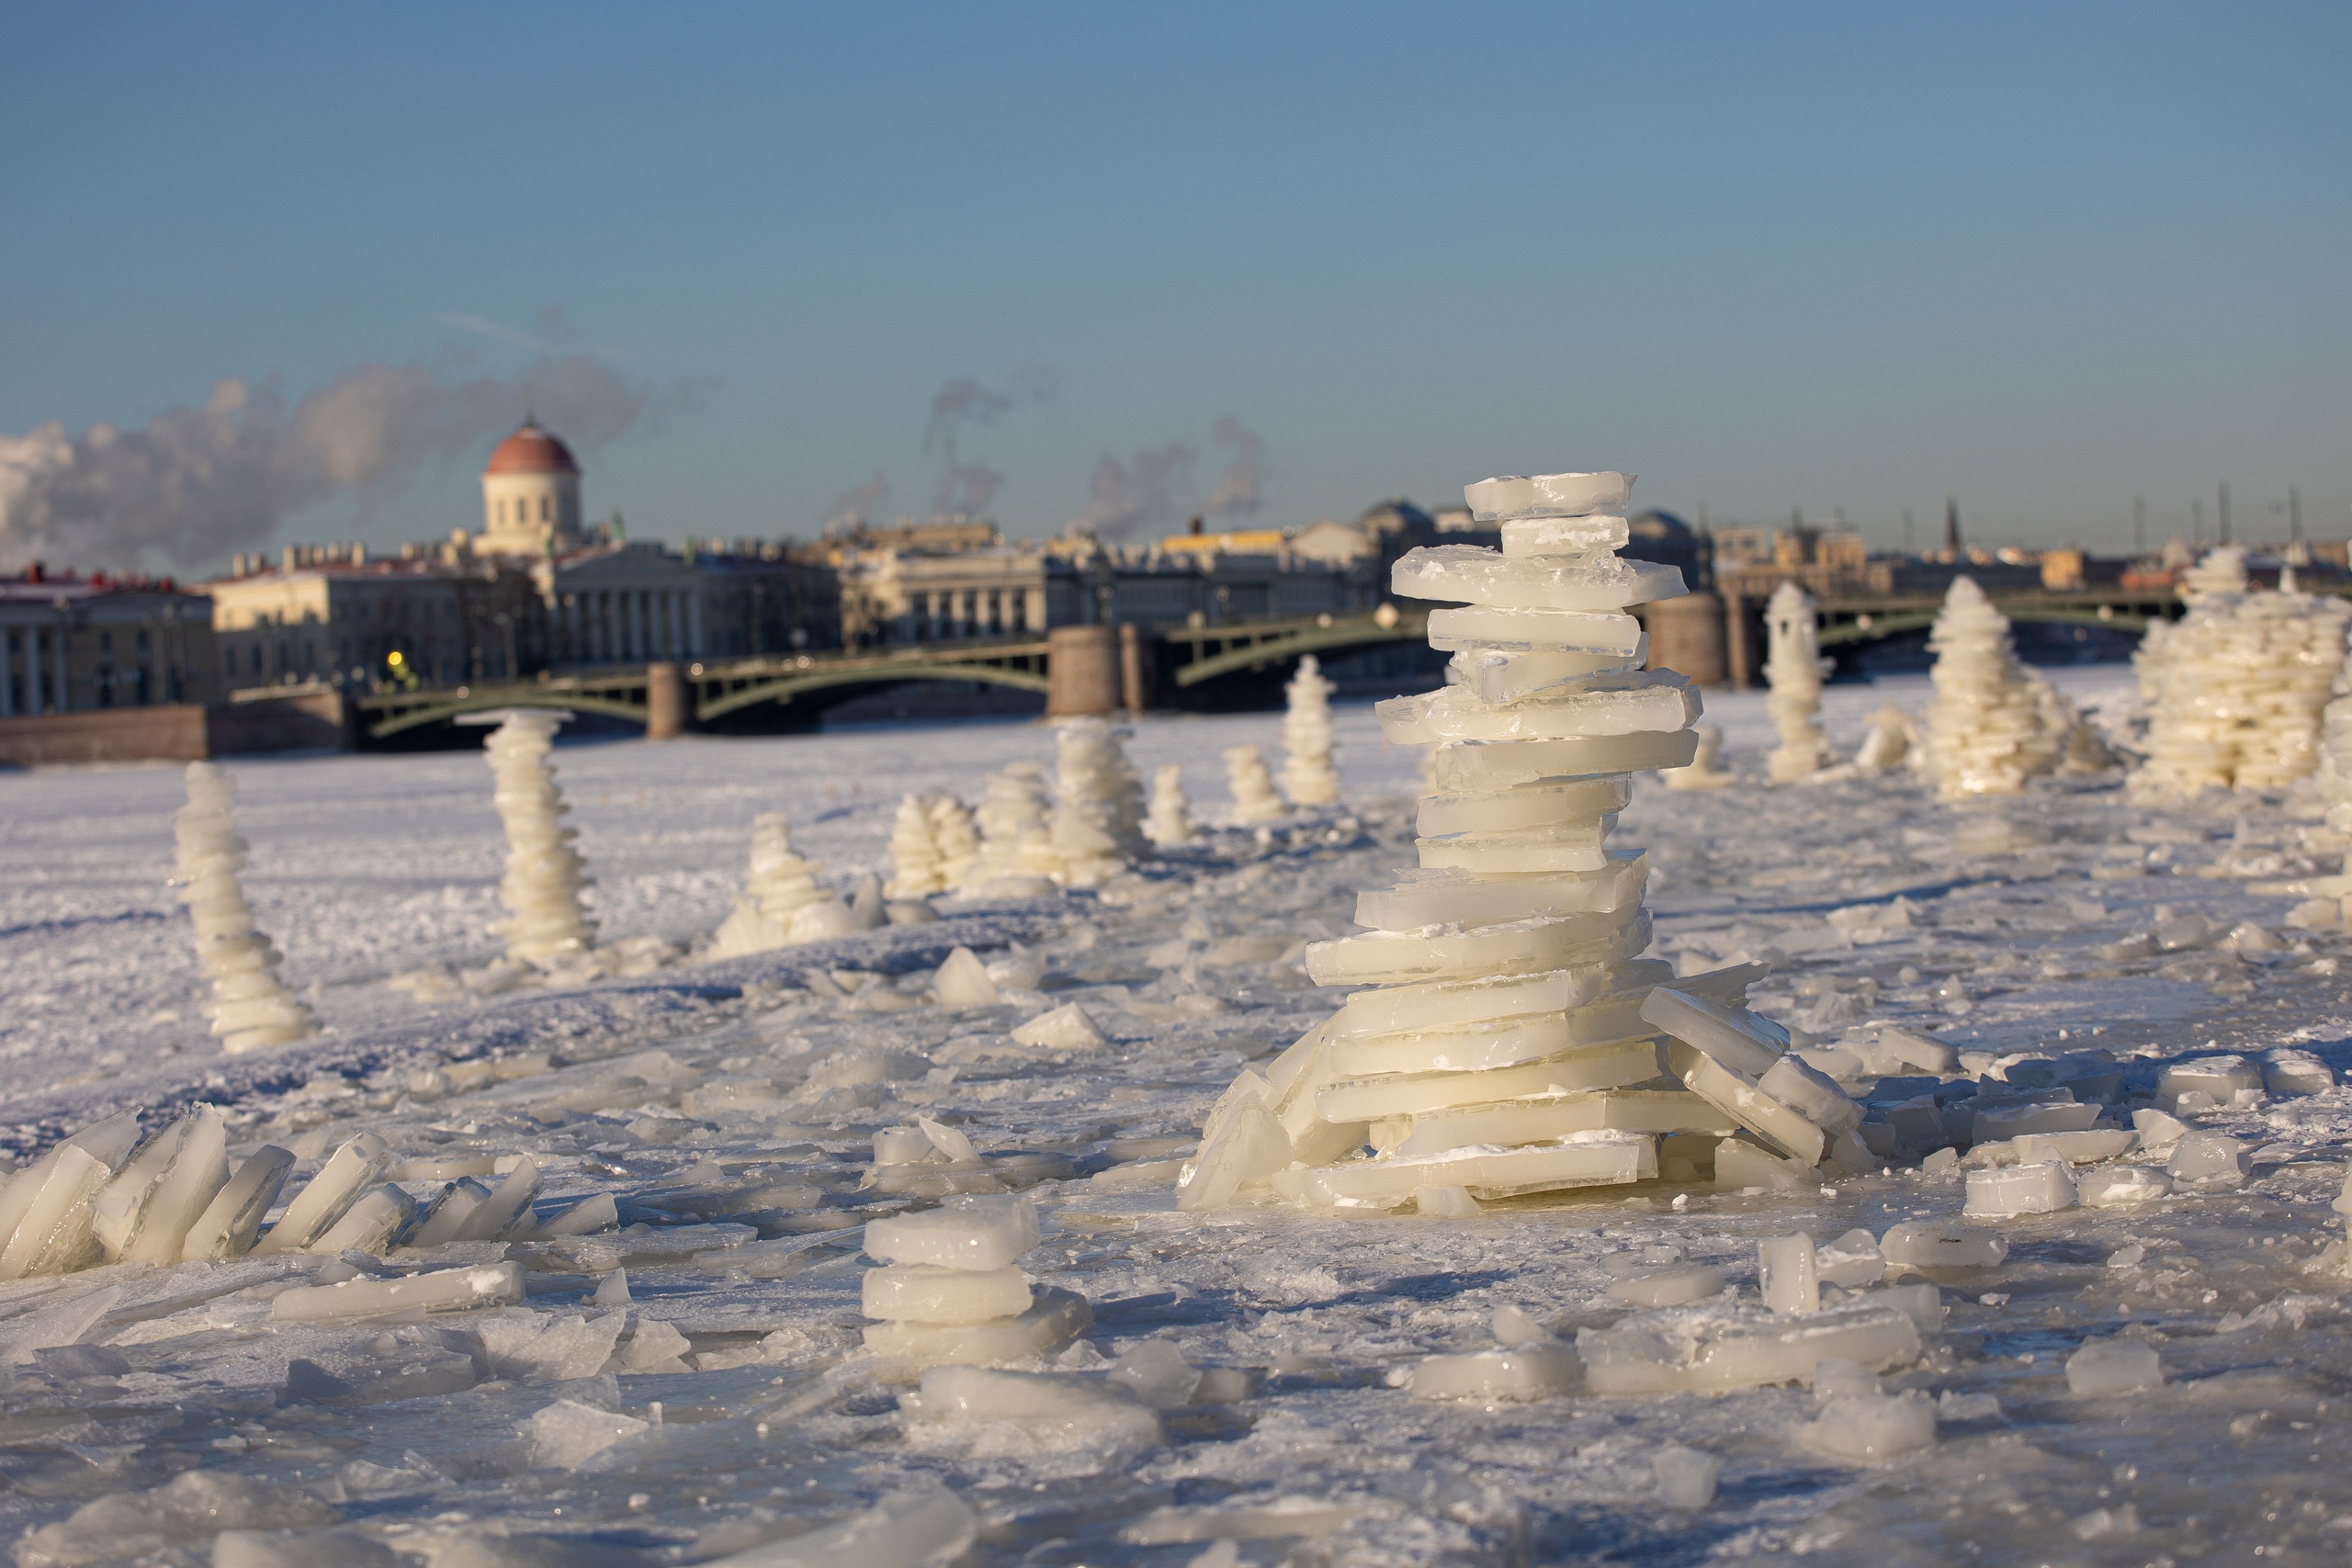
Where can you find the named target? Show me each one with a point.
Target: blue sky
(1831, 257)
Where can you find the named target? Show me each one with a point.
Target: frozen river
(729, 1110)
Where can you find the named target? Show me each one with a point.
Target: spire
(1952, 525)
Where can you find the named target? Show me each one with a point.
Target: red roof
(531, 450)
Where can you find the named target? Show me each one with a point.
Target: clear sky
(2048, 256)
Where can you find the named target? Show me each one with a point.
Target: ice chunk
(1582, 1160)
(567, 1434)
(1512, 496)
(1051, 1406)
(1054, 1319)
(1711, 1347)
(353, 1169)
(1603, 707)
(195, 1507)
(230, 1221)
(971, 1233)
(1243, 1147)
(1435, 1004)
(446, 1220)
(2105, 1368)
(444, 1290)
(1494, 675)
(2075, 1148)
(2001, 1122)
(2219, 1077)
(1156, 1373)
(2290, 1072)
(1453, 1084)
(1874, 1427)
(919, 1292)
(370, 1223)
(923, 1525)
(1666, 1287)
(591, 1213)
(1923, 1244)
(1686, 1478)
(1533, 1120)
(1852, 1260)
(1437, 897)
(1517, 1374)
(1585, 535)
(1470, 767)
(1740, 1164)
(2158, 1131)
(2041, 1187)
(1744, 1041)
(963, 982)
(2210, 1161)
(1446, 952)
(1067, 1028)
(54, 1235)
(2120, 1185)
(525, 1346)
(952, 1145)
(1778, 1125)
(1785, 1273)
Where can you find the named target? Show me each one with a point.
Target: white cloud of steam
(199, 481)
(852, 507)
(1145, 495)
(968, 484)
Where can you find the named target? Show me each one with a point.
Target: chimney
(1199, 526)
(1952, 526)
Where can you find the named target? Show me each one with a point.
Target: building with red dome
(530, 495)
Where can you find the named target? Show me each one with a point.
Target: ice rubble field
(689, 1387)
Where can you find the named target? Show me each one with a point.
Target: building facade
(72, 645)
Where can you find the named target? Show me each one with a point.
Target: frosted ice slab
(1054, 1319)
(1482, 766)
(1872, 1427)
(1478, 628)
(1925, 1245)
(1050, 1404)
(919, 1292)
(1433, 898)
(979, 1232)
(1524, 807)
(1532, 1120)
(1584, 1160)
(1745, 1041)
(444, 1289)
(1783, 1128)
(1066, 1028)
(2104, 1368)
(1657, 700)
(1590, 534)
(1413, 1094)
(351, 1170)
(1508, 496)
(1437, 1004)
(1469, 574)
(1496, 675)
(1438, 953)
(1713, 1346)
(1482, 1045)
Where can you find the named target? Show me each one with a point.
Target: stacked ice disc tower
(544, 873)
(1794, 669)
(950, 1290)
(1499, 1046)
(251, 1007)
(1309, 777)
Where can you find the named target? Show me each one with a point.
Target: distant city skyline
(764, 266)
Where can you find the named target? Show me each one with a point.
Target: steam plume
(968, 484)
(1145, 493)
(200, 481)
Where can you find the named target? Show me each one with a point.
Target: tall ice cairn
(1506, 1018)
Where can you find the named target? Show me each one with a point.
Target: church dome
(531, 450)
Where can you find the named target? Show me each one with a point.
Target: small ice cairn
(1169, 821)
(1309, 777)
(1794, 669)
(950, 1291)
(545, 925)
(916, 869)
(1507, 1014)
(782, 902)
(2236, 689)
(953, 838)
(1993, 724)
(250, 1008)
(1016, 835)
(1098, 805)
(1255, 799)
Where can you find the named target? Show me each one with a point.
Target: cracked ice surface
(690, 1386)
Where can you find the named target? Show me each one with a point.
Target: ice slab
(1585, 535)
(1487, 1044)
(1437, 1003)
(1603, 707)
(923, 1525)
(2219, 1077)
(1514, 1375)
(1066, 1028)
(1523, 806)
(1412, 1094)
(1054, 1319)
(1471, 574)
(1686, 1478)
(973, 1233)
(351, 1170)
(1776, 1125)
(2104, 1368)
(1477, 629)
(230, 1221)
(1786, 1277)
(1445, 952)
(1925, 1245)
(1494, 675)
(1433, 898)
(1745, 1041)
(2041, 1188)
(2120, 1185)
(1470, 766)
(1872, 1427)
(1673, 1286)
(444, 1289)
(1535, 1120)
(2209, 1162)
(1809, 1091)
(371, 1222)
(919, 1292)
(1740, 1164)
(54, 1236)
(1583, 1159)
(1050, 1404)
(1512, 496)
(1713, 1346)
(1851, 1261)
(1997, 1123)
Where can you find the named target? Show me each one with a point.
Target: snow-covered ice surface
(716, 1399)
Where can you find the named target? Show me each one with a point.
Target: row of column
(983, 611)
(60, 689)
(620, 625)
